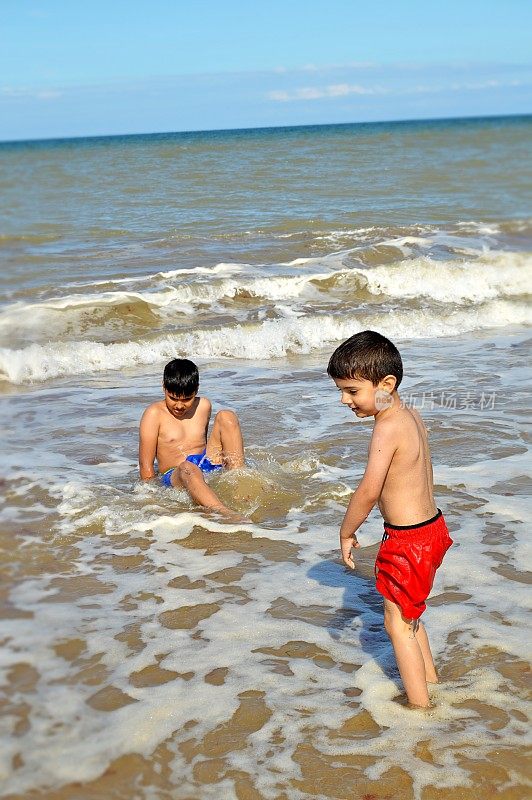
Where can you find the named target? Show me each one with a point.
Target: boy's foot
(239, 519)
(229, 515)
(414, 707)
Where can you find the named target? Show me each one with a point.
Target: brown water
(150, 650)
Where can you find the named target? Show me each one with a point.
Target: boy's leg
(191, 477)
(430, 670)
(225, 444)
(408, 654)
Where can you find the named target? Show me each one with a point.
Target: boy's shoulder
(203, 408)
(402, 421)
(152, 413)
(155, 408)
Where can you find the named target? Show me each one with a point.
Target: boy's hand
(347, 544)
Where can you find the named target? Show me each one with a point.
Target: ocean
(151, 650)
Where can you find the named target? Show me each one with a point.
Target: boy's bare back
(407, 493)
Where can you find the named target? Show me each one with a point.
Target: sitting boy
(367, 369)
(174, 431)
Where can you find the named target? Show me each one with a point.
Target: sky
(73, 68)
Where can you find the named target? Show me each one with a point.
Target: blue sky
(72, 68)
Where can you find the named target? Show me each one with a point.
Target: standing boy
(174, 431)
(367, 369)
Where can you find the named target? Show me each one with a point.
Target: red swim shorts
(407, 562)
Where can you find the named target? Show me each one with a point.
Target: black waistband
(417, 525)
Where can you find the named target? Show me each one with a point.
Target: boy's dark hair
(368, 355)
(181, 377)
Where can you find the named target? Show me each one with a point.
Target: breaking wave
(258, 341)
(310, 283)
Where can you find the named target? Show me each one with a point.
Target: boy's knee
(394, 621)
(389, 624)
(185, 471)
(227, 418)
(395, 624)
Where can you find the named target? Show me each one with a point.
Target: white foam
(496, 275)
(492, 276)
(264, 341)
(489, 229)
(63, 313)
(217, 269)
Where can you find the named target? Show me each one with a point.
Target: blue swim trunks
(200, 459)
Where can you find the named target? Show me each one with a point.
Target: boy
(367, 369)
(174, 431)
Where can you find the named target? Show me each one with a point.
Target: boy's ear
(388, 383)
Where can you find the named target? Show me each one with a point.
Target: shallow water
(150, 650)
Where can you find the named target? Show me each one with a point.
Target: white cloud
(48, 94)
(324, 68)
(339, 90)
(10, 91)
(469, 86)
(346, 89)
(318, 93)
(23, 91)
(309, 93)
(281, 97)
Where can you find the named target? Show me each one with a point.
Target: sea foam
(263, 341)
(170, 299)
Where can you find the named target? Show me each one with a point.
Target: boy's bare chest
(173, 431)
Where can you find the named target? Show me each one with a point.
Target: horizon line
(261, 128)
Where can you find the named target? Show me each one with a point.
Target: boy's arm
(381, 451)
(206, 406)
(148, 434)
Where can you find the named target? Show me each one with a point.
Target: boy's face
(177, 405)
(359, 395)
